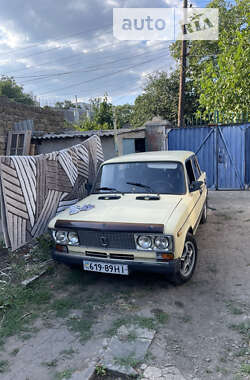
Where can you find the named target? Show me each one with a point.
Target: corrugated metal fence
(223, 152)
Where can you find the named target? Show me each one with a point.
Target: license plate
(96, 266)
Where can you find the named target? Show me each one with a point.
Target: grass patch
(131, 336)
(242, 352)
(4, 365)
(161, 316)
(82, 326)
(243, 328)
(234, 309)
(63, 306)
(245, 368)
(67, 353)
(137, 320)
(66, 374)
(16, 302)
(128, 361)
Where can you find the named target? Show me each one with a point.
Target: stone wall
(44, 119)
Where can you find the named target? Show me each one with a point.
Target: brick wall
(45, 120)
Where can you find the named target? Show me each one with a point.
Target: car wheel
(187, 261)
(204, 213)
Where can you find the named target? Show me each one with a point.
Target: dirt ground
(206, 331)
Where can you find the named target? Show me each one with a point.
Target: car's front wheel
(187, 261)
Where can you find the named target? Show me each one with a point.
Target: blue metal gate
(222, 153)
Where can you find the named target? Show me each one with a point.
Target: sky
(62, 48)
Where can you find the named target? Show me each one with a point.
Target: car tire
(204, 213)
(188, 261)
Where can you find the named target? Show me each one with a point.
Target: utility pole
(115, 129)
(182, 72)
(76, 112)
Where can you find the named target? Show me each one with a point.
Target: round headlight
(73, 238)
(144, 242)
(161, 242)
(61, 237)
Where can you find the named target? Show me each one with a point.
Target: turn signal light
(61, 248)
(165, 256)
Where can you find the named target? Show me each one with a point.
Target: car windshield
(141, 177)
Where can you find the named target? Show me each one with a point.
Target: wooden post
(182, 74)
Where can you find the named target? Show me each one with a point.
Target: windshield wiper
(109, 188)
(140, 185)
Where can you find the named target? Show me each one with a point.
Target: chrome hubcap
(187, 259)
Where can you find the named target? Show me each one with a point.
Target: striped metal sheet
(35, 188)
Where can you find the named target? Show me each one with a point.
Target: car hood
(127, 209)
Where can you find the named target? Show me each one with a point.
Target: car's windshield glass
(141, 177)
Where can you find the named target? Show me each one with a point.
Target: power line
(103, 76)
(92, 68)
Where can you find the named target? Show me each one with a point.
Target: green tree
(102, 115)
(224, 83)
(103, 111)
(9, 88)
(218, 69)
(65, 105)
(160, 98)
(124, 114)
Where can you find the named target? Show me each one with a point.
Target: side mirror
(195, 185)
(88, 187)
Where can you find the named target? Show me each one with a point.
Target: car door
(195, 196)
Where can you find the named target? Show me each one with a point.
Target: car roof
(166, 155)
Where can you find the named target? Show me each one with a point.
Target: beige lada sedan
(142, 214)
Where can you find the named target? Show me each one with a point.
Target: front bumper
(167, 267)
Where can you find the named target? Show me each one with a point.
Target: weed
(160, 316)
(116, 325)
(233, 309)
(243, 328)
(41, 251)
(247, 220)
(14, 352)
(185, 318)
(67, 353)
(128, 361)
(222, 370)
(242, 352)
(100, 370)
(17, 300)
(66, 374)
(82, 326)
(131, 336)
(143, 322)
(4, 365)
(52, 363)
(245, 368)
(63, 306)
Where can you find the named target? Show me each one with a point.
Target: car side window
(190, 172)
(197, 165)
(196, 168)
